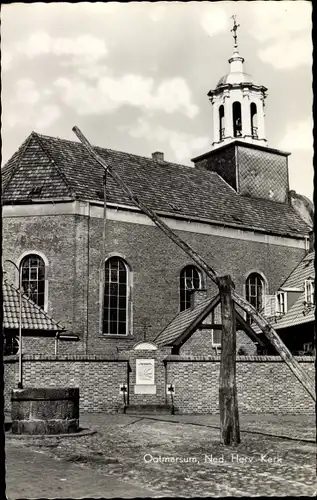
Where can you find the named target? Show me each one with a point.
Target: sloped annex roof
(186, 322)
(47, 168)
(33, 316)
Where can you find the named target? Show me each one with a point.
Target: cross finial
(234, 29)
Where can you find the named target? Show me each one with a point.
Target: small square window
(216, 337)
(281, 303)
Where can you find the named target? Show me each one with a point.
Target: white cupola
(238, 104)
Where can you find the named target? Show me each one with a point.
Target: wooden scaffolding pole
(267, 329)
(228, 402)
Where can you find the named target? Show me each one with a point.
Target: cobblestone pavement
(34, 474)
(178, 459)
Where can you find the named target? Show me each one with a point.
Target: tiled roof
(33, 316)
(185, 321)
(304, 270)
(48, 167)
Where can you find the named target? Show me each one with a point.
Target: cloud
(271, 19)
(287, 53)
(284, 29)
(85, 47)
(184, 145)
(27, 107)
(6, 60)
(46, 116)
(110, 93)
(26, 92)
(298, 136)
(215, 20)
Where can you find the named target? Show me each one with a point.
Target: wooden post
(228, 402)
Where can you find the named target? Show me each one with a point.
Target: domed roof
(236, 77)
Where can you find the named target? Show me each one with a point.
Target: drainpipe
(87, 285)
(56, 343)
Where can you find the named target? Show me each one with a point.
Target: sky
(134, 76)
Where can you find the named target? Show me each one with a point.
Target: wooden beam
(210, 326)
(228, 402)
(267, 329)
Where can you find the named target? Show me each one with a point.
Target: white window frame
(310, 291)
(278, 303)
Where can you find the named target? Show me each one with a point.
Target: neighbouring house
(296, 308)
(37, 326)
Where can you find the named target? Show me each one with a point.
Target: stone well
(45, 411)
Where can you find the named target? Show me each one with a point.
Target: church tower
(239, 151)
(238, 103)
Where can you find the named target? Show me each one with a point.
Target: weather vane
(234, 29)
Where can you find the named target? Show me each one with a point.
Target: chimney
(158, 156)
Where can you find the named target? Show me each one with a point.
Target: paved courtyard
(166, 455)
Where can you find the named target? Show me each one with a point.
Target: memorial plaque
(144, 371)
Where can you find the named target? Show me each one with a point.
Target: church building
(101, 268)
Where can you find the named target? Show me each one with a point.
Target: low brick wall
(98, 377)
(264, 383)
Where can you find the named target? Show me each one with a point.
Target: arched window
(254, 292)
(190, 279)
(236, 114)
(33, 278)
(254, 123)
(116, 297)
(221, 122)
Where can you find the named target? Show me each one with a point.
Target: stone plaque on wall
(144, 372)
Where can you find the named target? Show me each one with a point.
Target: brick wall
(10, 379)
(46, 345)
(97, 377)
(200, 343)
(155, 263)
(264, 383)
(58, 238)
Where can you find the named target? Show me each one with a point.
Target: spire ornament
(234, 29)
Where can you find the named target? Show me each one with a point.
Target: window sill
(117, 337)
